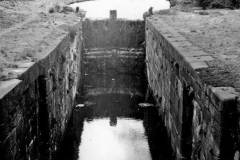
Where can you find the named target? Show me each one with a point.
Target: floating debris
(80, 105)
(145, 105)
(85, 104)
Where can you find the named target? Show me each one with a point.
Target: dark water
(111, 125)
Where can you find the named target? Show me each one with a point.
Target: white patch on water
(126, 9)
(125, 141)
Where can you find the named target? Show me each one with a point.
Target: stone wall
(202, 121)
(36, 107)
(114, 34)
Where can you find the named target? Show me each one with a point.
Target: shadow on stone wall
(111, 33)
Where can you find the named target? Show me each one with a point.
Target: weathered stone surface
(120, 34)
(117, 65)
(202, 120)
(225, 93)
(6, 86)
(34, 113)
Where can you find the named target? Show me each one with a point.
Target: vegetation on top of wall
(220, 3)
(207, 4)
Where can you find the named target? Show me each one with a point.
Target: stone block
(7, 86)
(225, 93)
(214, 108)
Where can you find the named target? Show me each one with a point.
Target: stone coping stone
(209, 44)
(123, 91)
(7, 86)
(225, 93)
(41, 37)
(128, 53)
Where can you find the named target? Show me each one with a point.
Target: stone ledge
(180, 61)
(196, 60)
(225, 93)
(27, 72)
(181, 44)
(205, 34)
(7, 86)
(39, 67)
(219, 96)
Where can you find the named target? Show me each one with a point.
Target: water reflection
(156, 133)
(125, 141)
(135, 134)
(127, 9)
(111, 125)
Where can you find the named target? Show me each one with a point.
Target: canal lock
(107, 121)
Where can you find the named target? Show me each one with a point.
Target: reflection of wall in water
(158, 140)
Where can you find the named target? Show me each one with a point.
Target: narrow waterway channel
(109, 124)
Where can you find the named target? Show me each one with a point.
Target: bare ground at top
(217, 33)
(28, 31)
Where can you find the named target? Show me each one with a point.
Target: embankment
(201, 115)
(36, 106)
